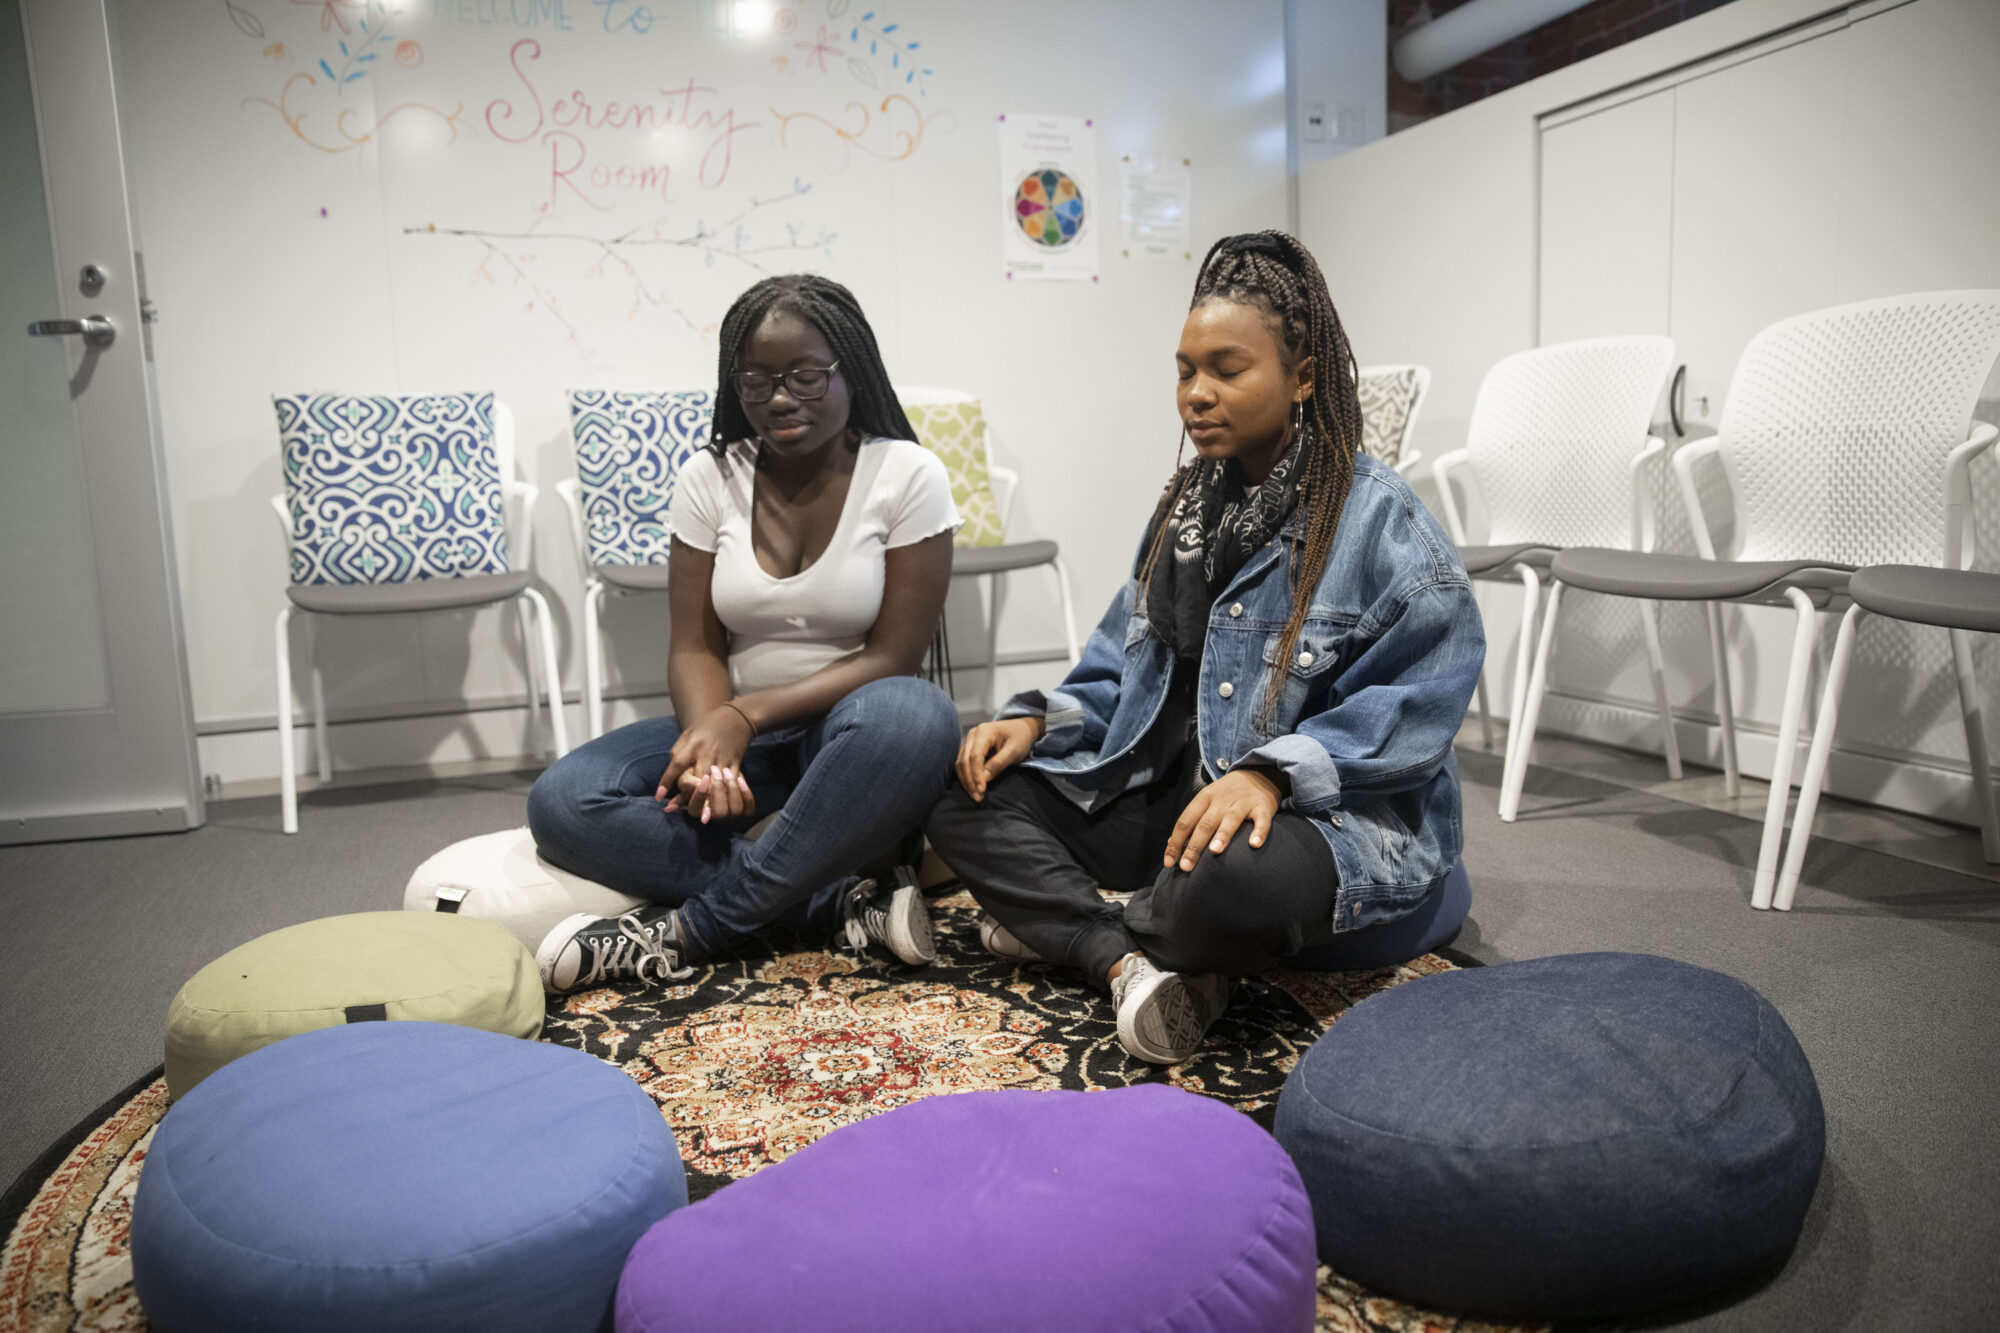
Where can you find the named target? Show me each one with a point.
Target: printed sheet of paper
(1154, 195)
(1052, 210)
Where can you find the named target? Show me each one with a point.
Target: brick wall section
(1595, 28)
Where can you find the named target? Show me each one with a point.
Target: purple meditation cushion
(1143, 1207)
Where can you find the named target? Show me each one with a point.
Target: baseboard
(1917, 784)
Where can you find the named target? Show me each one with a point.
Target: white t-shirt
(782, 630)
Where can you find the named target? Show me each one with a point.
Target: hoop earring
(1298, 417)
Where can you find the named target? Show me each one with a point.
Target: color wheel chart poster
(1052, 210)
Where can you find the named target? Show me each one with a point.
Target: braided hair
(1275, 273)
(831, 309)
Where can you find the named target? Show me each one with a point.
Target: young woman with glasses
(1257, 741)
(811, 554)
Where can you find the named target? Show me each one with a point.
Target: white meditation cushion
(499, 877)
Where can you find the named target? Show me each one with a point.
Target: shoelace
(865, 919)
(636, 948)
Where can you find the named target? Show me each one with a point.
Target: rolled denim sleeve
(1077, 713)
(1396, 707)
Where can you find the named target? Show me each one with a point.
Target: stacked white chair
(397, 504)
(1391, 398)
(1845, 440)
(630, 447)
(1559, 449)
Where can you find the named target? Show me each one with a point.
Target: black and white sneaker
(585, 950)
(898, 919)
(1162, 1015)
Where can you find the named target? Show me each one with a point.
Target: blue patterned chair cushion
(388, 489)
(629, 449)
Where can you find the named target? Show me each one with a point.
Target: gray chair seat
(375, 599)
(1689, 578)
(1486, 559)
(1952, 598)
(633, 578)
(1000, 559)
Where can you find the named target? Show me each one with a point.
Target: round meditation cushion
(500, 877)
(1142, 1207)
(400, 1178)
(350, 969)
(1577, 1137)
(1434, 921)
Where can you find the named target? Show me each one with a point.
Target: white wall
(277, 265)
(1431, 240)
(1336, 70)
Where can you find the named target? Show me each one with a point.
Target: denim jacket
(1378, 684)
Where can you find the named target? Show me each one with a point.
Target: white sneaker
(1001, 942)
(586, 950)
(898, 919)
(1162, 1016)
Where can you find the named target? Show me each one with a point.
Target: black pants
(1036, 862)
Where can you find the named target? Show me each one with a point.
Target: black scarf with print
(1214, 527)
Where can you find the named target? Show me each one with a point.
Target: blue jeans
(849, 787)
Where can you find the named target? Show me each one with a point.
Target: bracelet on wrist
(747, 720)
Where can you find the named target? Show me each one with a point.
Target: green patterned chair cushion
(956, 432)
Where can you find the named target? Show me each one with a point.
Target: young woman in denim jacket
(1257, 741)
(811, 556)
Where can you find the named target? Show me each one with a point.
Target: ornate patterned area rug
(750, 1061)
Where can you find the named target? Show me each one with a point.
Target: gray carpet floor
(1886, 971)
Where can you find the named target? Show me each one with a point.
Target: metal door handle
(97, 330)
(1676, 396)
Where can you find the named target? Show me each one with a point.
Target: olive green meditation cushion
(351, 969)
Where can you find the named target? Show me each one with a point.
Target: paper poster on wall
(1154, 195)
(1051, 209)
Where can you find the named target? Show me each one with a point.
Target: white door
(1607, 221)
(96, 729)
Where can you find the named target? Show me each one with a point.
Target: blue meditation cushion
(399, 1176)
(1576, 1137)
(997, 1212)
(1434, 921)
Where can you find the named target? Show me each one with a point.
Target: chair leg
(1649, 618)
(1531, 600)
(1531, 716)
(534, 746)
(1485, 714)
(1975, 745)
(1766, 883)
(1732, 772)
(1815, 775)
(995, 595)
(288, 778)
(593, 659)
(1070, 641)
(550, 672)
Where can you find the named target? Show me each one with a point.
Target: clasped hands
(1209, 823)
(704, 774)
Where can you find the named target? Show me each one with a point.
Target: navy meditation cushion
(400, 1177)
(1573, 1137)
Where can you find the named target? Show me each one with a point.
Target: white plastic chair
(1845, 440)
(993, 563)
(1559, 449)
(436, 594)
(1391, 397)
(630, 447)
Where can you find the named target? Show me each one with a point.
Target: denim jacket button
(1336, 821)
(1225, 689)
(1236, 608)
(1305, 659)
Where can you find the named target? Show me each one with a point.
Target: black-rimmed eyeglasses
(803, 383)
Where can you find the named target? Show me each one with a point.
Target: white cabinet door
(1607, 195)
(1759, 187)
